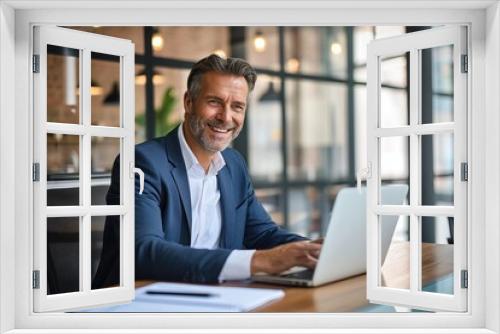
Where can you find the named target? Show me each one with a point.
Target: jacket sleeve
(155, 257)
(260, 230)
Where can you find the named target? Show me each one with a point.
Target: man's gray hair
(214, 63)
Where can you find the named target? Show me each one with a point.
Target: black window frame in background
(237, 36)
(237, 49)
(237, 39)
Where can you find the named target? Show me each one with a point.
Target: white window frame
(394, 46)
(16, 19)
(85, 43)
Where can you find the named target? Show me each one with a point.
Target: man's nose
(225, 114)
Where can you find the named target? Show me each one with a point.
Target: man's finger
(317, 241)
(310, 262)
(309, 246)
(315, 254)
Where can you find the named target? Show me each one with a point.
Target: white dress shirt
(206, 220)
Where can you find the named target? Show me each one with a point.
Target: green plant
(163, 124)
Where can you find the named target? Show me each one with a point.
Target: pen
(184, 294)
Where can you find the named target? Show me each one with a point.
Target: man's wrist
(259, 262)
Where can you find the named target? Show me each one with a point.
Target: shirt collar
(190, 159)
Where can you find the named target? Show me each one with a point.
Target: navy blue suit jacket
(163, 218)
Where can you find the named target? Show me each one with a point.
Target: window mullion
(85, 174)
(414, 170)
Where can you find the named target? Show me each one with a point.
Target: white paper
(222, 299)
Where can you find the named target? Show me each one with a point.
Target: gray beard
(196, 125)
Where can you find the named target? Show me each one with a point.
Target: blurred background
(304, 137)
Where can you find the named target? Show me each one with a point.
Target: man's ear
(188, 103)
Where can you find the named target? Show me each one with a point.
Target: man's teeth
(219, 129)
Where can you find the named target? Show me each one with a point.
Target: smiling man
(198, 219)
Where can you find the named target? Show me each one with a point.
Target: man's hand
(284, 257)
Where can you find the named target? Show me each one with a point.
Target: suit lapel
(225, 184)
(179, 173)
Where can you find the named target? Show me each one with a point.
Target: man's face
(215, 117)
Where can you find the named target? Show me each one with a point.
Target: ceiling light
(157, 40)
(336, 48)
(293, 65)
(140, 78)
(259, 42)
(95, 89)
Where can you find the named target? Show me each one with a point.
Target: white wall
(492, 121)
(7, 179)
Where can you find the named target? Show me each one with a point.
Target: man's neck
(203, 157)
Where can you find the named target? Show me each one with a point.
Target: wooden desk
(350, 294)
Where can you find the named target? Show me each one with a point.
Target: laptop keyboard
(304, 274)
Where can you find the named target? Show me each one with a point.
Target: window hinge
(36, 172)
(36, 279)
(464, 171)
(465, 66)
(464, 279)
(36, 63)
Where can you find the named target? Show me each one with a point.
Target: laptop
(344, 248)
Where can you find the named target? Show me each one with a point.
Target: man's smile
(219, 130)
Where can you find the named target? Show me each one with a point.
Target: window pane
(393, 102)
(442, 108)
(190, 43)
(105, 90)
(273, 201)
(393, 70)
(437, 254)
(63, 81)
(393, 107)
(63, 193)
(262, 47)
(437, 84)
(394, 160)
(317, 130)
(263, 121)
(394, 252)
(316, 50)
(105, 229)
(103, 154)
(169, 88)
(63, 255)
(63, 166)
(437, 169)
